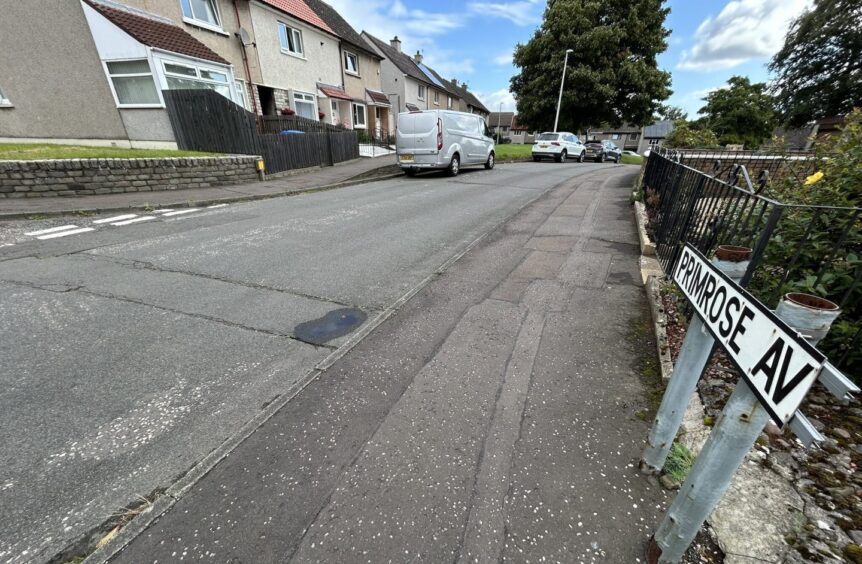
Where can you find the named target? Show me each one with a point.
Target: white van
(442, 139)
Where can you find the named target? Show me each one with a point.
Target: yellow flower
(814, 178)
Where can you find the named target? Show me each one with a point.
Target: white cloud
(503, 59)
(492, 100)
(448, 63)
(522, 12)
(743, 30)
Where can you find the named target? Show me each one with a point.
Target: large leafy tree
(612, 76)
(743, 113)
(818, 72)
(673, 113)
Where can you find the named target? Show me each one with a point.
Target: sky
(473, 40)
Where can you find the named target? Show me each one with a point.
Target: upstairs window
(204, 12)
(133, 83)
(351, 63)
(421, 92)
(291, 40)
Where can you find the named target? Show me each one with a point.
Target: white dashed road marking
(64, 233)
(216, 206)
(115, 218)
(136, 220)
(164, 210)
(178, 212)
(51, 230)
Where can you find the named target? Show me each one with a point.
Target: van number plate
(406, 158)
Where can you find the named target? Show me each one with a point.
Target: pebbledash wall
(80, 177)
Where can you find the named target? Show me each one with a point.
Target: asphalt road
(129, 353)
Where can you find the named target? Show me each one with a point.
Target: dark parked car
(601, 151)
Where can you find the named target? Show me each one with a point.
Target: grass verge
(39, 151)
(511, 152)
(632, 159)
(679, 462)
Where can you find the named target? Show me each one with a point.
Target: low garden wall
(81, 177)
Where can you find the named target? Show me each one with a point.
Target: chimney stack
(395, 43)
(418, 58)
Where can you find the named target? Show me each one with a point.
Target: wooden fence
(204, 120)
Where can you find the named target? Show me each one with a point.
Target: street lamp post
(562, 82)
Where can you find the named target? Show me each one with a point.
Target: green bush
(685, 136)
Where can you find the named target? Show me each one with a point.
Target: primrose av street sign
(778, 364)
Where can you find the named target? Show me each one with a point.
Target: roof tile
(157, 33)
(301, 11)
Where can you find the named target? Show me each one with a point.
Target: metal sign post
(778, 366)
(693, 357)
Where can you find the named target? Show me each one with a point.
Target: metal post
(735, 432)
(562, 82)
(693, 357)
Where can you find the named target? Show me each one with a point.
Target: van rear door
(417, 133)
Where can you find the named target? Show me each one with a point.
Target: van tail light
(439, 134)
(555, 144)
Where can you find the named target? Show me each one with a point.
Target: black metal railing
(814, 249)
(376, 143)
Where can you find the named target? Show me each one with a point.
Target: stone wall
(81, 177)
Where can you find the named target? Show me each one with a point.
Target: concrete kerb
(176, 491)
(731, 519)
(199, 202)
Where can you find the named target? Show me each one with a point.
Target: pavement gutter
(178, 489)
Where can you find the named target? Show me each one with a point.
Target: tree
(819, 69)
(673, 113)
(743, 113)
(686, 136)
(612, 75)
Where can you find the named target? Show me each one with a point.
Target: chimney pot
(395, 43)
(418, 57)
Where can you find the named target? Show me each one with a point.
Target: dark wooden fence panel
(204, 120)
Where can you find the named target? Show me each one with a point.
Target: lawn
(38, 151)
(511, 152)
(632, 159)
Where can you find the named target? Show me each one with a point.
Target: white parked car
(442, 139)
(559, 146)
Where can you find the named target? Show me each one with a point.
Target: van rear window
(548, 137)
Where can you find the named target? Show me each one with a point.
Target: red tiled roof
(300, 10)
(378, 97)
(333, 92)
(157, 33)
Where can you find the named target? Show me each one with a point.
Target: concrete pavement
(134, 353)
(492, 418)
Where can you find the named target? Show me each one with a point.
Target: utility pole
(562, 82)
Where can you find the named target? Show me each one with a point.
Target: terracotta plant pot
(733, 253)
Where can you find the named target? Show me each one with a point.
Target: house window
(449, 102)
(634, 136)
(240, 94)
(188, 77)
(4, 101)
(201, 12)
(436, 98)
(351, 63)
(133, 83)
(421, 92)
(615, 135)
(305, 105)
(358, 116)
(377, 113)
(290, 39)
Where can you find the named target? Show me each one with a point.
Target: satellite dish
(244, 37)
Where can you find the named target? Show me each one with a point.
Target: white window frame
(304, 98)
(151, 74)
(353, 107)
(436, 98)
(242, 94)
(192, 20)
(420, 94)
(198, 76)
(296, 34)
(4, 101)
(347, 56)
(449, 102)
(615, 136)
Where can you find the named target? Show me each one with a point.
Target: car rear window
(547, 137)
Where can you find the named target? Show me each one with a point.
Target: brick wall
(80, 177)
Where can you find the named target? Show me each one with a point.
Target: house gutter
(245, 62)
